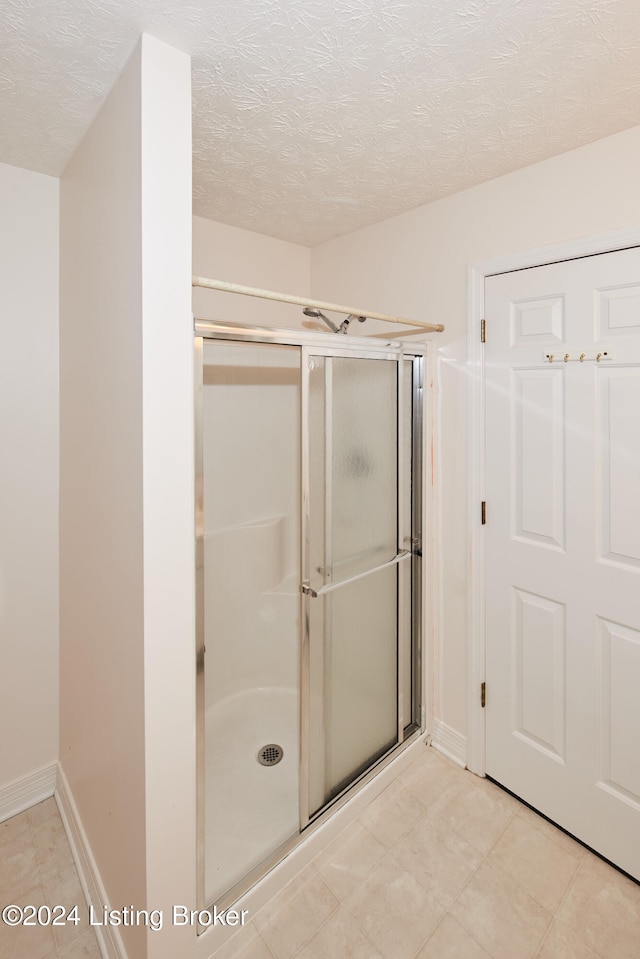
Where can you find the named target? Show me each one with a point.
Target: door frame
(476, 463)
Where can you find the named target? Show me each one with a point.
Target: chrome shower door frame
(410, 725)
(402, 558)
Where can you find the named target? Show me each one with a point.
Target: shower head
(317, 315)
(352, 316)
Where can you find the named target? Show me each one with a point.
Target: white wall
(168, 492)
(29, 433)
(416, 264)
(126, 498)
(101, 544)
(250, 259)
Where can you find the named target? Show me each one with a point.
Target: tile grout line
(364, 826)
(535, 825)
(544, 939)
(555, 914)
(265, 944)
(341, 902)
(531, 895)
(483, 861)
(578, 932)
(311, 866)
(44, 883)
(425, 814)
(432, 933)
(386, 855)
(78, 931)
(54, 953)
(437, 821)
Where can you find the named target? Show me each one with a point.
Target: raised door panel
(539, 320)
(618, 310)
(538, 446)
(618, 444)
(619, 711)
(538, 676)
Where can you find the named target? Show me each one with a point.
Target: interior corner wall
(416, 265)
(101, 508)
(29, 431)
(228, 253)
(127, 572)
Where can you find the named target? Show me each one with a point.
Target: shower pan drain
(270, 755)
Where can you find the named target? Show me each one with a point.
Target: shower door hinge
(483, 331)
(483, 512)
(483, 694)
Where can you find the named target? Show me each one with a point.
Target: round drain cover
(270, 754)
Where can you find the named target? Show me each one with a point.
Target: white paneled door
(562, 364)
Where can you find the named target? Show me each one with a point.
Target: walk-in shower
(309, 544)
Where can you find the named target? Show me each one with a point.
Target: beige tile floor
(36, 868)
(442, 865)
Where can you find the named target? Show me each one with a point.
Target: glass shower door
(353, 560)
(250, 567)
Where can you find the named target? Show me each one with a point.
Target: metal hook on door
(584, 357)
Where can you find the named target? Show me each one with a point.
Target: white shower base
(249, 809)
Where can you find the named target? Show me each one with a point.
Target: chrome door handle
(308, 590)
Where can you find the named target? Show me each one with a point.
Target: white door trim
(569, 250)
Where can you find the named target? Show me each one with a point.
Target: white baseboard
(109, 939)
(20, 794)
(450, 743)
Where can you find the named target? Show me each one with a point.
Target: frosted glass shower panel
(353, 409)
(353, 461)
(354, 665)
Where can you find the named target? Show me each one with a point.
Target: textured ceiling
(315, 117)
